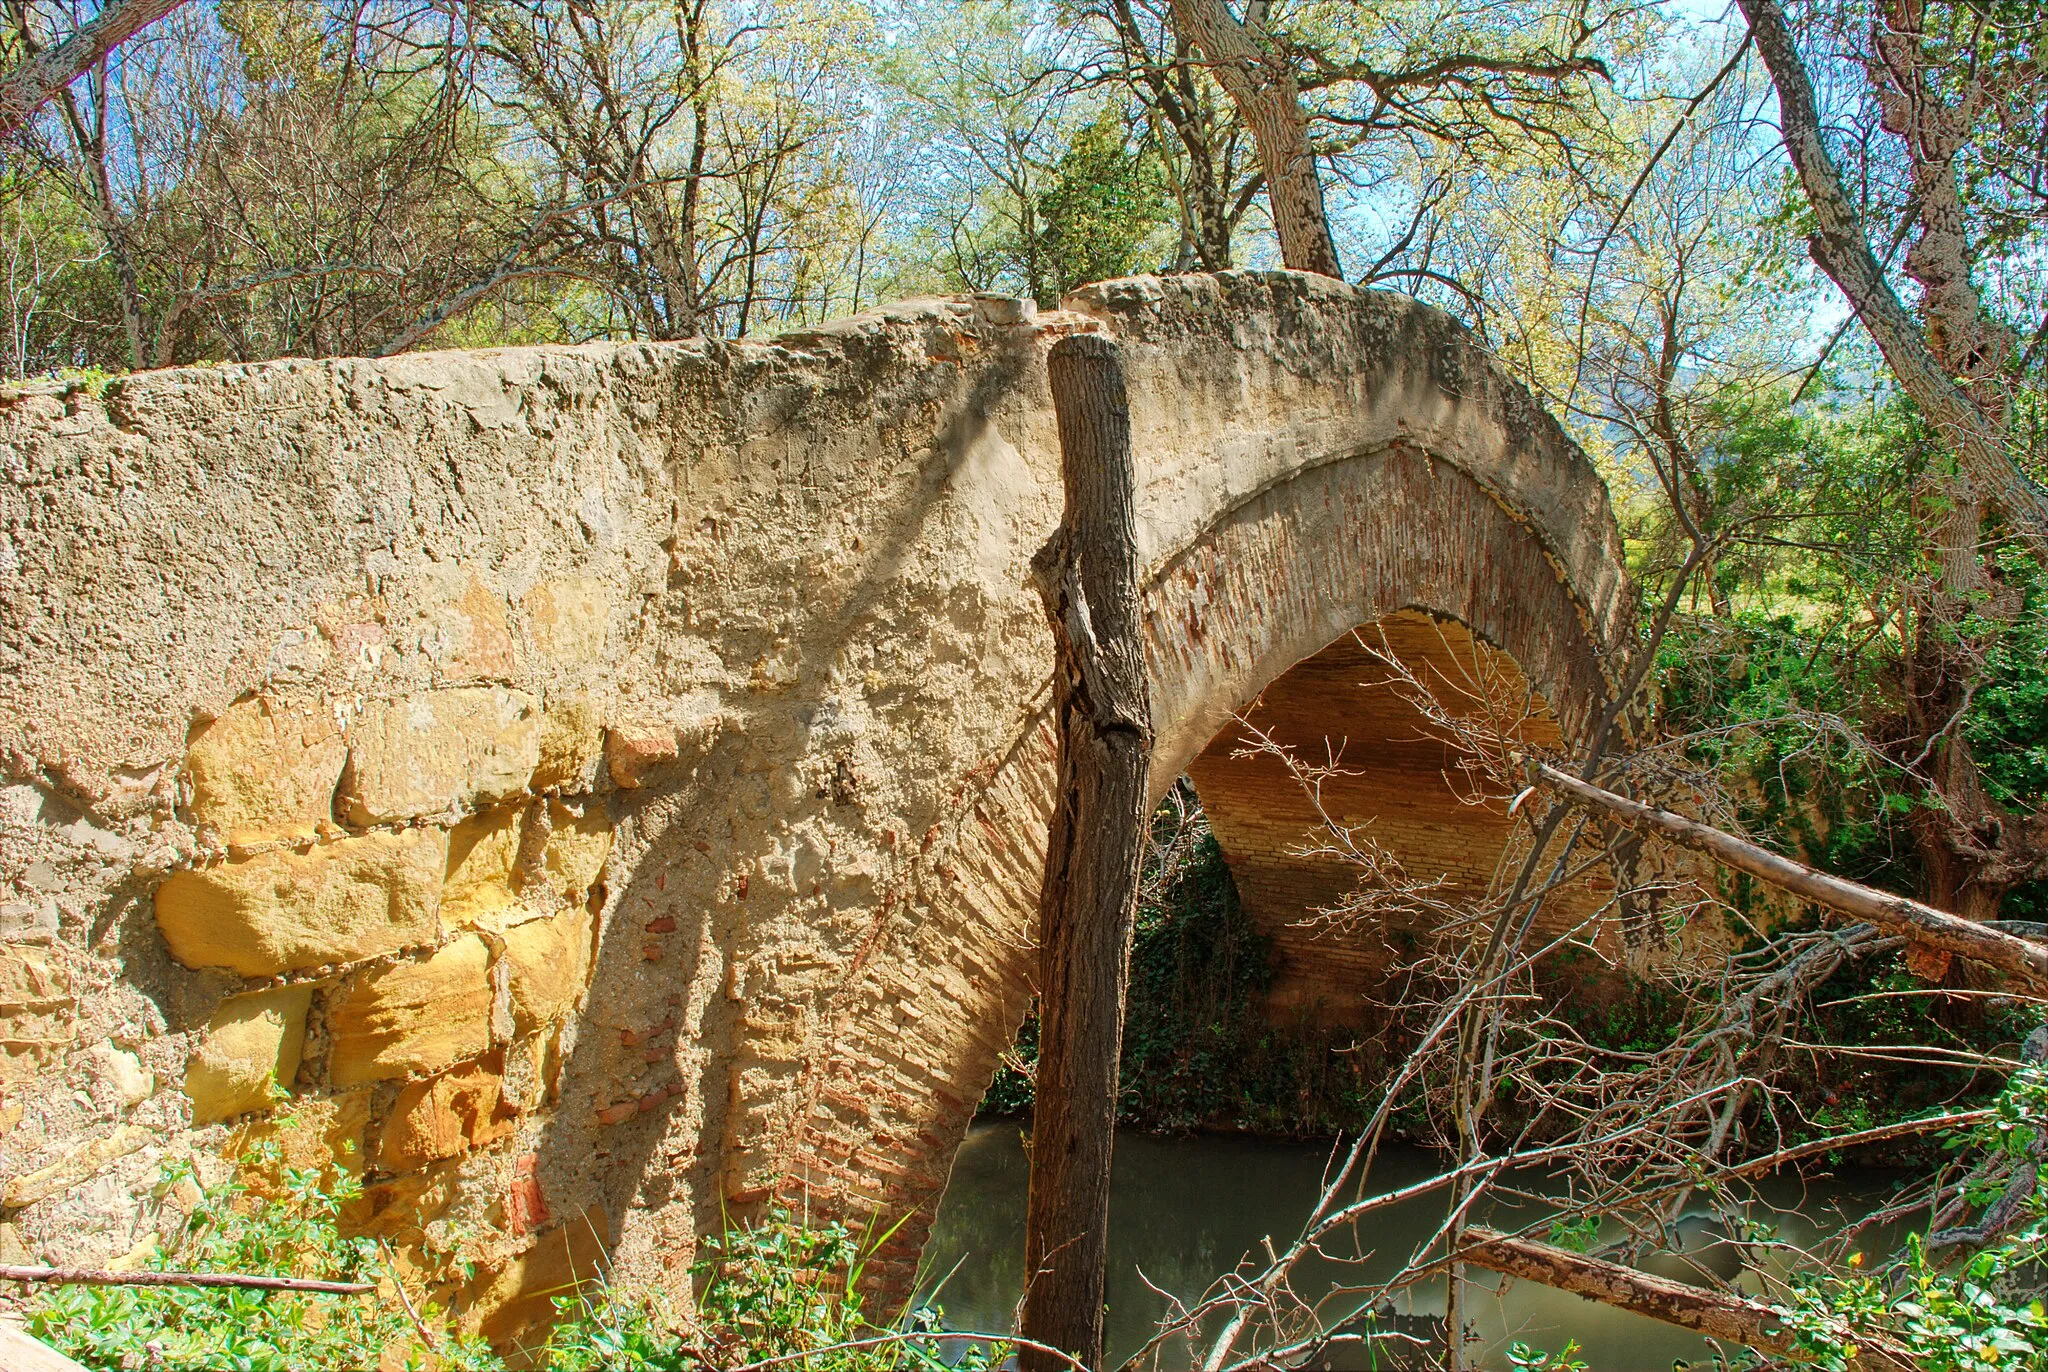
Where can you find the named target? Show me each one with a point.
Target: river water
(1184, 1210)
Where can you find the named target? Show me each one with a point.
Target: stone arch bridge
(584, 788)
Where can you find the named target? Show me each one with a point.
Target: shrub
(764, 1290)
(248, 1226)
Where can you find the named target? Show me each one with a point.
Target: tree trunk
(28, 86)
(1842, 250)
(1262, 86)
(1088, 576)
(1732, 1319)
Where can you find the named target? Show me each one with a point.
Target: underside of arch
(1336, 761)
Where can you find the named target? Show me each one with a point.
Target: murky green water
(1185, 1210)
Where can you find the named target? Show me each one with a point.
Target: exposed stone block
(337, 902)
(250, 1051)
(484, 887)
(571, 746)
(35, 1010)
(549, 960)
(446, 1116)
(439, 751)
(263, 771)
(415, 1017)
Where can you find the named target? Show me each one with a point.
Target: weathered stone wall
(589, 788)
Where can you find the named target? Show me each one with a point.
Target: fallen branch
(1732, 1319)
(94, 1276)
(2016, 957)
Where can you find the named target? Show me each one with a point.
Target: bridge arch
(738, 639)
(1308, 499)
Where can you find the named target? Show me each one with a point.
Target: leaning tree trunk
(1268, 98)
(1088, 575)
(30, 84)
(2024, 960)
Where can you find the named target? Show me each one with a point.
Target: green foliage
(1106, 203)
(1523, 1358)
(764, 1290)
(246, 1225)
(2007, 725)
(1829, 487)
(1983, 1312)
(1577, 1235)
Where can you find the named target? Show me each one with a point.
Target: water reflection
(1184, 1210)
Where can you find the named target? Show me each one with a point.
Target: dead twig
(96, 1276)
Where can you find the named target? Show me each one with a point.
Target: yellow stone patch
(337, 902)
(251, 1049)
(483, 851)
(437, 751)
(36, 1010)
(415, 1017)
(571, 746)
(522, 1293)
(264, 771)
(566, 620)
(549, 960)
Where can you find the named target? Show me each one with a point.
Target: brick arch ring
(1398, 471)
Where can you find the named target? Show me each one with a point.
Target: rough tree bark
(1842, 249)
(27, 86)
(2020, 959)
(1733, 1319)
(1088, 576)
(1262, 85)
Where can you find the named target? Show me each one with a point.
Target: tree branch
(29, 85)
(1733, 1319)
(2025, 962)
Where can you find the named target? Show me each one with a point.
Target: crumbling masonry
(586, 789)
